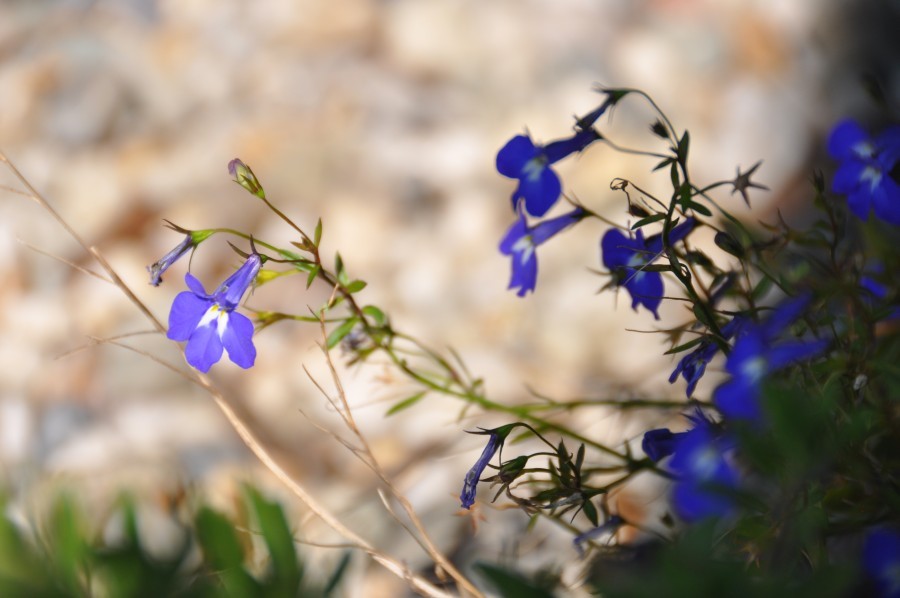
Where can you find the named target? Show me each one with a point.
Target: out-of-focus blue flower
(705, 478)
(626, 259)
(660, 443)
(190, 241)
(612, 524)
(881, 559)
(865, 173)
(692, 366)
(539, 186)
(521, 241)
(496, 437)
(756, 354)
(875, 292)
(209, 323)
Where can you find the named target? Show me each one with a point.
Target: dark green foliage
(65, 559)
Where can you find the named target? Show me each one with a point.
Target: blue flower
(521, 241)
(660, 443)
(209, 323)
(881, 559)
(626, 259)
(692, 366)
(705, 478)
(495, 440)
(190, 241)
(539, 186)
(610, 527)
(875, 292)
(866, 175)
(757, 354)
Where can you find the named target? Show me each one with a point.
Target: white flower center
(533, 168)
(871, 175)
(755, 368)
(705, 463)
(524, 248)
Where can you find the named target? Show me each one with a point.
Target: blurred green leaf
(355, 286)
(511, 584)
(286, 573)
(340, 332)
(317, 235)
(406, 403)
(376, 314)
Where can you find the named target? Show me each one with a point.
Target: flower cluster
(867, 175)
(800, 320)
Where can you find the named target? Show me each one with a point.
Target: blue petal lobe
(886, 200)
(195, 285)
(237, 338)
(204, 348)
(844, 137)
(540, 193)
(513, 156)
(524, 274)
(187, 311)
(548, 228)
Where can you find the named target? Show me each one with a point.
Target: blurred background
(384, 118)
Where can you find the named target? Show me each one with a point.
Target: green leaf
(376, 314)
(218, 539)
(590, 511)
(511, 584)
(355, 286)
(689, 204)
(683, 146)
(762, 287)
(69, 548)
(663, 164)
(647, 220)
(702, 316)
(338, 574)
(285, 572)
(688, 345)
(340, 271)
(729, 244)
(312, 275)
(406, 403)
(317, 235)
(340, 332)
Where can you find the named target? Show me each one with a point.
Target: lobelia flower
(757, 354)
(659, 443)
(539, 186)
(692, 366)
(705, 477)
(190, 241)
(611, 526)
(875, 292)
(881, 560)
(866, 174)
(496, 438)
(626, 258)
(521, 241)
(209, 323)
